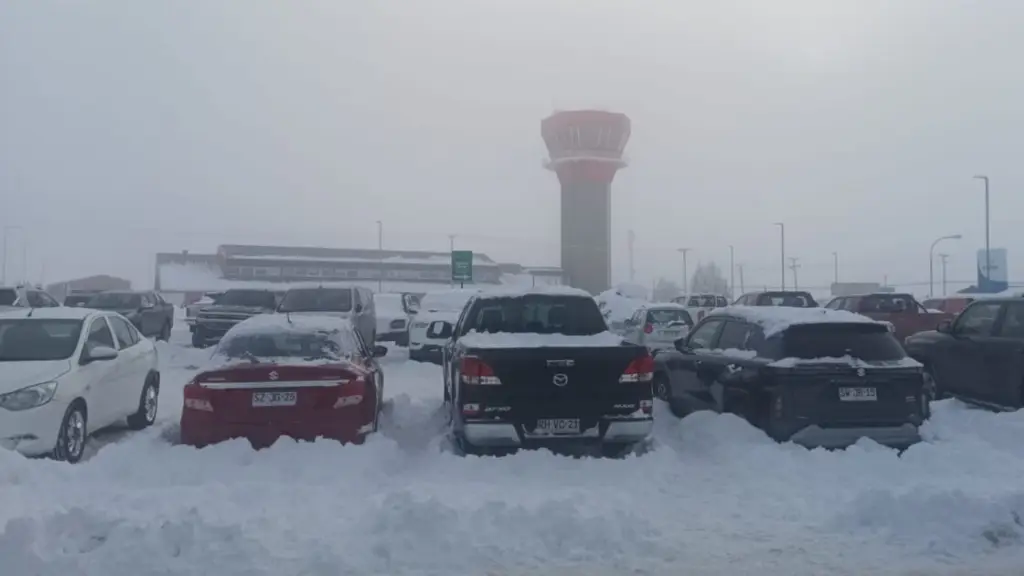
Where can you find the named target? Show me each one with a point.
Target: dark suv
(817, 377)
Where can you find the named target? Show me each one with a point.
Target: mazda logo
(560, 380)
(272, 376)
(861, 372)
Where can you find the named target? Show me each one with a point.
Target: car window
(666, 316)
(318, 300)
(703, 336)
(978, 319)
(834, 304)
(734, 336)
(279, 342)
(537, 314)
(861, 340)
(99, 335)
(123, 331)
(1013, 322)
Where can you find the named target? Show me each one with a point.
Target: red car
(273, 375)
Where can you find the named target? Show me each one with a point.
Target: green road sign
(462, 265)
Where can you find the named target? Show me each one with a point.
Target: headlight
(29, 397)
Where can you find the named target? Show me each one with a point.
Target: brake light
(477, 372)
(196, 397)
(639, 370)
(648, 328)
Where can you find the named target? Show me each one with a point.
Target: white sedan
(68, 372)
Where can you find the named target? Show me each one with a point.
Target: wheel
(73, 434)
(928, 395)
(148, 403)
(661, 391)
(165, 332)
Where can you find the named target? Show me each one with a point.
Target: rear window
(868, 342)
(706, 301)
(248, 298)
(317, 300)
(280, 343)
(116, 301)
(787, 299)
(887, 303)
(536, 314)
(444, 301)
(8, 296)
(666, 317)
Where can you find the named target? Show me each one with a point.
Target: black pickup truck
(146, 309)
(232, 307)
(539, 368)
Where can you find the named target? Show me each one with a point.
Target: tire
(198, 339)
(149, 402)
(165, 332)
(661, 390)
(73, 434)
(616, 451)
(402, 340)
(929, 394)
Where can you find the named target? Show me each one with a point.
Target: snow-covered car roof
(529, 340)
(54, 313)
(662, 306)
(283, 322)
(775, 319)
(546, 290)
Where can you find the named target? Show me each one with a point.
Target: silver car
(658, 325)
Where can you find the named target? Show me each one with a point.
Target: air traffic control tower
(585, 151)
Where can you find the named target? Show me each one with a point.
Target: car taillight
(648, 328)
(351, 392)
(639, 370)
(477, 372)
(196, 397)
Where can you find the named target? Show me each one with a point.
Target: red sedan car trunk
(262, 402)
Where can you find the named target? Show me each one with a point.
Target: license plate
(271, 399)
(670, 333)
(858, 394)
(558, 426)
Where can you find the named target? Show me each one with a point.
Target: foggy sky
(131, 127)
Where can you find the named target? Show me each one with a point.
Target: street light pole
(931, 261)
(782, 243)
(943, 257)
(793, 266)
(732, 272)
(835, 267)
(380, 255)
(988, 246)
(686, 288)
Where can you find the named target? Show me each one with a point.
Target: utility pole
(380, 256)
(686, 288)
(732, 271)
(451, 248)
(942, 258)
(743, 288)
(632, 269)
(885, 280)
(782, 259)
(931, 261)
(835, 267)
(988, 246)
(793, 266)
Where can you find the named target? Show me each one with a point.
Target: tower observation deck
(585, 151)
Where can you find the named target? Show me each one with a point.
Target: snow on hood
(17, 375)
(476, 339)
(775, 319)
(616, 307)
(219, 362)
(447, 315)
(906, 362)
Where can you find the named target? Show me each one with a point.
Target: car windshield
(388, 303)
(8, 296)
(317, 300)
(281, 343)
(115, 301)
(444, 301)
(865, 341)
(668, 316)
(31, 339)
(535, 314)
(248, 298)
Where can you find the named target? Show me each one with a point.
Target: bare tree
(708, 279)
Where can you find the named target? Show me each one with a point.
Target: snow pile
(484, 340)
(905, 362)
(775, 319)
(617, 307)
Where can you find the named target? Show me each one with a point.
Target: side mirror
(380, 351)
(98, 354)
(945, 326)
(439, 329)
(359, 308)
(681, 345)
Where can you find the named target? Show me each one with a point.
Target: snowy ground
(713, 497)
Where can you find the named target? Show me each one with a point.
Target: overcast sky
(131, 127)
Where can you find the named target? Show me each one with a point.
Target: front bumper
(32, 432)
(493, 434)
(815, 436)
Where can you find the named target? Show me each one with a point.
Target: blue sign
(996, 278)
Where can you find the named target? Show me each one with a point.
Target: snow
(544, 289)
(906, 362)
(302, 322)
(712, 496)
(775, 319)
(446, 300)
(484, 340)
(616, 307)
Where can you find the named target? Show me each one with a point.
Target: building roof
(343, 254)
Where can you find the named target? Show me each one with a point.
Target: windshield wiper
(250, 357)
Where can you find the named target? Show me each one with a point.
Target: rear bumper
(815, 436)
(509, 435)
(200, 430)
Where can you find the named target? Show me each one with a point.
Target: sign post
(462, 267)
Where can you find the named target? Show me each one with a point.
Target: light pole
(793, 266)
(732, 272)
(686, 288)
(3, 266)
(988, 259)
(782, 259)
(380, 255)
(943, 257)
(835, 267)
(931, 261)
